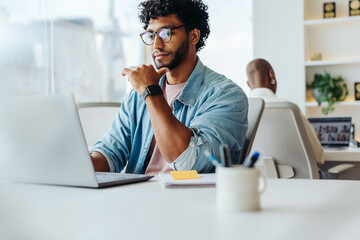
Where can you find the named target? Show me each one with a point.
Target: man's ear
(272, 74)
(194, 36)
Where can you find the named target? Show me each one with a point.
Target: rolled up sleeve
(223, 121)
(187, 159)
(115, 144)
(110, 163)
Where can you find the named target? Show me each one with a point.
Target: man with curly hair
(178, 111)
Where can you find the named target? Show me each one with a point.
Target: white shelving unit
(345, 103)
(337, 41)
(328, 21)
(332, 62)
(289, 33)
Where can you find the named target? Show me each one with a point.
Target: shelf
(324, 22)
(331, 62)
(346, 103)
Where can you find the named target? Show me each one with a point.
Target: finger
(125, 71)
(162, 71)
(132, 68)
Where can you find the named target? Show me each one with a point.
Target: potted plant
(326, 88)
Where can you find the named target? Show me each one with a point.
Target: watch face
(355, 4)
(154, 89)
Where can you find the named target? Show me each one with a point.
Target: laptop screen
(332, 131)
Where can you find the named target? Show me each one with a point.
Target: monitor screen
(332, 131)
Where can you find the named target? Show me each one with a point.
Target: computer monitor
(332, 131)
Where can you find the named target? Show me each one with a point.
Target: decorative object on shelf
(329, 10)
(326, 88)
(357, 91)
(316, 57)
(354, 8)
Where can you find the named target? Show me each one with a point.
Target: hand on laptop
(99, 161)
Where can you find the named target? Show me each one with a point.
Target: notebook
(42, 142)
(332, 131)
(206, 179)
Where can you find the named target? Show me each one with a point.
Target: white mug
(238, 188)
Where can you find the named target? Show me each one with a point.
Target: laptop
(42, 141)
(332, 131)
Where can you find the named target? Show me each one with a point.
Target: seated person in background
(345, 129)
(331, 138)
(178, 111)
(262, 81)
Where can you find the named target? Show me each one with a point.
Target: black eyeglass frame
(157, 33)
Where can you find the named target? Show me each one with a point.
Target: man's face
(174, 52)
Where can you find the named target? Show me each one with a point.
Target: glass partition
(81, 46)
(64, 46)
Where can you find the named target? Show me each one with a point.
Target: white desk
(292, 209)
(350, 154)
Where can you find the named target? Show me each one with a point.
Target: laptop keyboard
(110, 177)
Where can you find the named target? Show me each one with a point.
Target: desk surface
(292, 209)
(349, 154)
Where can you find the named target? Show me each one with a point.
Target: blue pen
(212, 159)
(250, 162)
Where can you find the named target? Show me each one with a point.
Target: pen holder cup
(239, 189)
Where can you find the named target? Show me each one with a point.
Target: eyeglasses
(163, 33)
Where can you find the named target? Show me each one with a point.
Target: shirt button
(192, 144)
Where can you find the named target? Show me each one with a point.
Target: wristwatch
(152, 90)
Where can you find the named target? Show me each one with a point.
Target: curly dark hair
(192, 13)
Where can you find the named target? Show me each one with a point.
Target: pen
(225, 155)
(212, 159)
(250, 162)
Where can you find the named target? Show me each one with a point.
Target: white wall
(279, 38)
(230, 44)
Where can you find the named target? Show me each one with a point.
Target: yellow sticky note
(182, 175)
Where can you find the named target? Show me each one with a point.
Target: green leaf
(330, 90)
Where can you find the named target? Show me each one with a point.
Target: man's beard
(179, 56)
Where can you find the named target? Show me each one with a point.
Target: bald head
(261, 75)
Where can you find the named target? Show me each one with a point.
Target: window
(62, 46)
(81, 46)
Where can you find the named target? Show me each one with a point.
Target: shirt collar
(189, 94)
(262, 92)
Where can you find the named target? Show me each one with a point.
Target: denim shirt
(213, 107)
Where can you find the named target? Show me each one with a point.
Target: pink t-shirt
(157, 162)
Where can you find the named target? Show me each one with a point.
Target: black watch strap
(152, 90)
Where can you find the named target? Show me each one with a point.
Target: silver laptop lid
(41, 140)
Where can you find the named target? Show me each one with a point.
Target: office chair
(96, 118)
(284, 144)
(255, 111)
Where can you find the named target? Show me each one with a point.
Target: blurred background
(81, 46)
